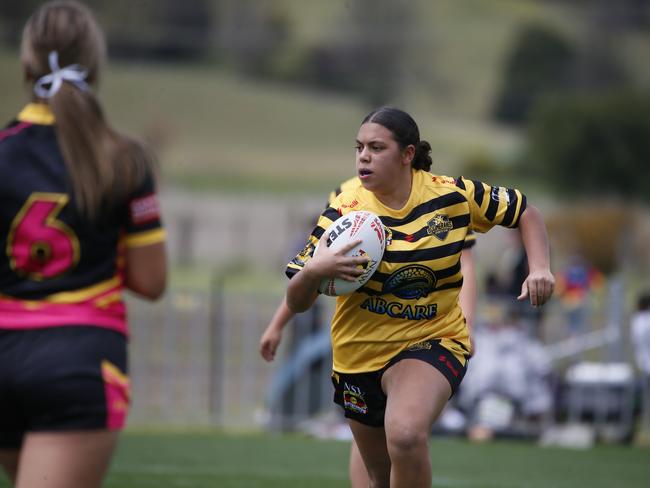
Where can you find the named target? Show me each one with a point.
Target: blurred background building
(252, 107)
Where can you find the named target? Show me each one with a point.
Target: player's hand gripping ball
(350, 227)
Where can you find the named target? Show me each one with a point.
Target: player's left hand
(538, 286)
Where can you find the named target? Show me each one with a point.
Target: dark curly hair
(405, 131)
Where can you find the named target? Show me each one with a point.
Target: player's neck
(397, 196)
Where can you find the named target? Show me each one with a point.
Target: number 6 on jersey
(40, 245)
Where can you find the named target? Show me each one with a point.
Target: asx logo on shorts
(353, 399)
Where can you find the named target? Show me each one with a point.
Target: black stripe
(524, 202)
(460, 183)
(468, 244)
(462, 346)
(479, 192)
(493, 205)
(424, 254)
(449, 286)
(331, 213)
(425, 208)
(338, 190)
(440, 274)
(512, 208)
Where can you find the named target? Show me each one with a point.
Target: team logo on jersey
(305, 255)
(500, 194)
(439, 226)
(410, 282)
(353, 399)
(389, 236)
(420, 346)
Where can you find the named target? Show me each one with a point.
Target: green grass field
(202, 460)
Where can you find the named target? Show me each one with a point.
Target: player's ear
(408, 154)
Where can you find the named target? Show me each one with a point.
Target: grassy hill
(216, 130)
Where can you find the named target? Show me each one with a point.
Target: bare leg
(358, 472)
(65, 459)
(9, 461)
(371, 442)
(417, 393)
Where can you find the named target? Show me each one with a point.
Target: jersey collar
(37, 113)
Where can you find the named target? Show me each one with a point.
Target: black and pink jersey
(56, 266)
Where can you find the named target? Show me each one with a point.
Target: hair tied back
(73, 73)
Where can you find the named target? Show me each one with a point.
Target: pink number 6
(39, 245)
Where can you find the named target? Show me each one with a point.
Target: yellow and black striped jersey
(355, 182)
(413, 295)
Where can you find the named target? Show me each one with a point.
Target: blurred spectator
(507, 383)
(576, 284)
(505, 281)
(640, 334)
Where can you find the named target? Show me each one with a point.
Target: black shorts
(361, 395)
(61, 379)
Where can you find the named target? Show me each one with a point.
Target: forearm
(535, 239)
(281, 316)
(302, 290)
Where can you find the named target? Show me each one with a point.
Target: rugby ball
(352, 226)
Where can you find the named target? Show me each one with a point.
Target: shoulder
(347, 185)
(349, 199)
(441, 184)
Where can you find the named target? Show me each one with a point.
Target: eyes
(374, 147)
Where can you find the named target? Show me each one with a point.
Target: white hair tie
(73, 73)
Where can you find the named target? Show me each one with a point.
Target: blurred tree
(251, 34)
(368, 54)
(592, 145)
(161, 29)
(540, 63)
(14, 15)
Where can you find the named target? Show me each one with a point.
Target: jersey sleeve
(329, 215)
(492, 205)
(470, 240)
(143, 226)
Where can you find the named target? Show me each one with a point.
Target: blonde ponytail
(103, 165)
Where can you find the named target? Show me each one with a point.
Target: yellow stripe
(37, 113)
(107, 300)
(84, 293)
(76, 296)
(112, 373)
(145, 238)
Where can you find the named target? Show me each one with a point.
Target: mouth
(364, 173)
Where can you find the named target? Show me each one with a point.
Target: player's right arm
(326, 263)
(272, 336)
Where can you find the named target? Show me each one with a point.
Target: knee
(404, 440)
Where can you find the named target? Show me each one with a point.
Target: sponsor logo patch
(500, 194)
(144, 209)
(439, 226)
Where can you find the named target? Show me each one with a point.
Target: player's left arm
(145, 270)
(539, 285)
(467, 296)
